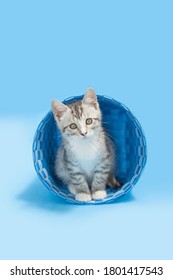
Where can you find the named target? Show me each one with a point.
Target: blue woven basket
(124, 130)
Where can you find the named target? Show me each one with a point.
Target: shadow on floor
(36, 195)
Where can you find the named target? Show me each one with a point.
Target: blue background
(56, 49)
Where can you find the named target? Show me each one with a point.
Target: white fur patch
(99, 195)
(87, 152)
(84, 197)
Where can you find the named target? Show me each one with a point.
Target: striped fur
(85, 160)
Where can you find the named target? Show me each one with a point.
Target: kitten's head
(81, 119)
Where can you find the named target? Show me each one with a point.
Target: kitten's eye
(89, 121)
(73, 126)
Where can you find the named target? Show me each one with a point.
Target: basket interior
(123, 129)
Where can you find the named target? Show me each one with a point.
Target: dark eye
(89, 121)
(73, 126)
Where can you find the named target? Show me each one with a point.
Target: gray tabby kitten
(85, 159)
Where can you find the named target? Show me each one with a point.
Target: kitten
(85, 159)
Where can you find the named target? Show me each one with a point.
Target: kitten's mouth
(85, 137)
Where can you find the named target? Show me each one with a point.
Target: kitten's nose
(83, 133)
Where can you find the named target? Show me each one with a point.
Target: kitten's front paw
(83, 197)
(101, 194)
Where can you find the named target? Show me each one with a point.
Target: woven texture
(123, 129)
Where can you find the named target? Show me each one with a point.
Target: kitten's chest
(88, 156)
(87, 162)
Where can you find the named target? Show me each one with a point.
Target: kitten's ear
(90, 98)
(58, 108)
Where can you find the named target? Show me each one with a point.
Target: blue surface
(55, 50)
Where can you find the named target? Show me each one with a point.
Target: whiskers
(107, 132)
(109, 136)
